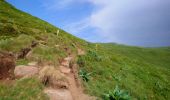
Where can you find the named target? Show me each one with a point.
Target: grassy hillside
(143, 72)
(19, 29)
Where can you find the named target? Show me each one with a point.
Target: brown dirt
(7, 65)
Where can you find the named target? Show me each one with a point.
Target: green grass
(24, 89)
(143, 72)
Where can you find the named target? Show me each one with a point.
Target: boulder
(24, 71)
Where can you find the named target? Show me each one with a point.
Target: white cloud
(122, 21)
(131, 21)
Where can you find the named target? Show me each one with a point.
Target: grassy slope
(144, 72)
(18, 29)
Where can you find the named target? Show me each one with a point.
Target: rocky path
(74, 90)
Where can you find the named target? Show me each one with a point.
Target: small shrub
(117, 78)
(84, 75)
(117, 94)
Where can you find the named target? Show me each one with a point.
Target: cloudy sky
(131, 22)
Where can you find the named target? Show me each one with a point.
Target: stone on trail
(25, 71)
(66, 62)
(65, 70)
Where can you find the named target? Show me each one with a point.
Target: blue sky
(131, 22)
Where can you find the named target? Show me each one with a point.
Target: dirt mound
(52, 77)
(7, 65)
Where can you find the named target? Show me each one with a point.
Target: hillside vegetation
(108, 71)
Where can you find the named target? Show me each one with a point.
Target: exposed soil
(7, 65)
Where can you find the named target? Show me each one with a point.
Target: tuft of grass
(22, 62)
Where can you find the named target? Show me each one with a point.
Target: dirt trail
(74, 90)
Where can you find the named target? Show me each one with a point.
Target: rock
(7, 65)
(66, 62)
(58, 94)
(65, 70)
(25, 71)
